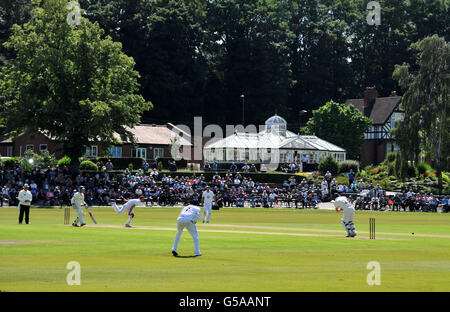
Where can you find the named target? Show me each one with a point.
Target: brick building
(383, 111)
(152, 141)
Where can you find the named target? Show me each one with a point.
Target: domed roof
(276, 120)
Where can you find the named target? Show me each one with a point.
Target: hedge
(182, 163)
(9, 163)
(121, 163)
(65, 161)
(88, 165)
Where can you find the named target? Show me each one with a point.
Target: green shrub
(391, 157)
(88, 165)
(329, 164)
(423, 167)
(343, 180)
(46, 159)
(445, 177)
(160, 166)
(65, 161)
(367, 168)
(346, 165)
(9, 163)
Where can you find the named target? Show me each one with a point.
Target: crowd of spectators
(54, 186)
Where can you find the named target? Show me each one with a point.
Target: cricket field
(243, 249)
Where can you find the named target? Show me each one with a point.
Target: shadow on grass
(186, 256)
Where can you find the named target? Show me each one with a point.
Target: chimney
(393, 93)
(370, 96)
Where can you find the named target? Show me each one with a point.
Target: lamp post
(243, 105)
(301, 113)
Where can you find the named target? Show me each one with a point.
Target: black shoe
(82, 224)
(74, 224)
(198, 255)
(174, 253)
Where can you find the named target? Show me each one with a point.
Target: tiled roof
(382, 109)
(155, 134)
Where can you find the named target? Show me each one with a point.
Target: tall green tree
(340, 124)
(11, 12)
(71, 82)
(426, 88)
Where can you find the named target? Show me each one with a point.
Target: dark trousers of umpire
(24, 209)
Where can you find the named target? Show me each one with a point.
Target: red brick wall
(373, 152)
(36, 139)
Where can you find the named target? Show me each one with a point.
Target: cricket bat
(90, 214)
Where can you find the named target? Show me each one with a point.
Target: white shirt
(208, 196)
(131, 203)
(347, 208)
(78, 199)
(190, 212)
(24, 196)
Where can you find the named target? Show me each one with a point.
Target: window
(141, 152)
(158, 152)
(43, 148)
(29, 147)
(115, 151)
(92, 151)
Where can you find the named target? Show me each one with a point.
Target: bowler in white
(342, 204)
(187, 219)
(208, 198)
(129, 206)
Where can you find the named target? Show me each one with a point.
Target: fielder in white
(129, 206)
(187, 219)
(208, 198)
(78, 200)
(342, 204)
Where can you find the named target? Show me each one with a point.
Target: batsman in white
(342, 204)
(208, 198)
(129, 206)
(187, 219)
(78, 200)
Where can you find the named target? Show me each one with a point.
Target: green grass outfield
(246, 249)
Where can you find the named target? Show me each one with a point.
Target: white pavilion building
(274, 144)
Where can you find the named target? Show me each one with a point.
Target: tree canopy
(340, 124)
(426, 102)
(71, 82)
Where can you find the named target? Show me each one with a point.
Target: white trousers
(80, 217)
(120, 210)
(117, 209)
(207, 211)
(183, 223)
(347, 220)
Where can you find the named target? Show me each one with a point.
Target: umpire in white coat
(25, 197)
(77, 201)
